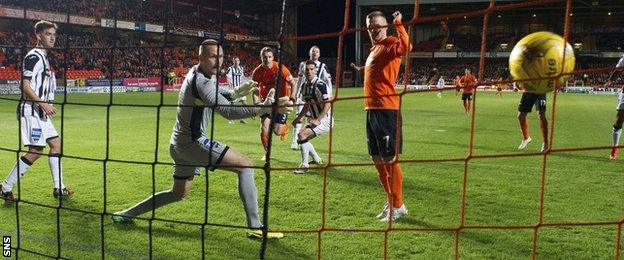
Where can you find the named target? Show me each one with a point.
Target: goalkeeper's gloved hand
(284, 105)
(244, 89)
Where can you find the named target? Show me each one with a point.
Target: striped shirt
(315, 94)
(36, 68)
(321, 73)
(235, 76)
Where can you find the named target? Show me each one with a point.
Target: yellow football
(539, 55)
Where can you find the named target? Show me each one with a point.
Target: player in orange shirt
(457, 83)
(383, 120)
(266, 75)
(468, 82)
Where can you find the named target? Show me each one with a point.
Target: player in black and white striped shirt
(35, 113)
(316, 95)
(235, 74)
(322, 72)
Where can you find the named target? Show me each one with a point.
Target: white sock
(19, 169)
(56, 171)
(305, 150)
(315, 155)
(616, 136)
(297, 129)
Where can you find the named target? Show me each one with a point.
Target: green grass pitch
(580, 186)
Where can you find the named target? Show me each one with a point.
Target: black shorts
(529, 100)
(467, 96)
(381, 132)
(279, 118)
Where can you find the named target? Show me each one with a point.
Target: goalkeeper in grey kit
(190, 146)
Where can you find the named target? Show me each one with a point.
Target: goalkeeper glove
(244, 89)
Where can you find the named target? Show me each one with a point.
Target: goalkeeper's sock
(617, 132)
(157, 200)
(382, 173)
(524, 127)
(395, 181)
(19, 169)
(56, 170)
(249, 196)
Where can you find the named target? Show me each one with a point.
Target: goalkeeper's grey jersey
(198, 97)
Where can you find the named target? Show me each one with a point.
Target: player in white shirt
(317, 108)
(322, 73)
(35, 113)
(190, 145)
(619, 117)
(440, 86)
(235, 74)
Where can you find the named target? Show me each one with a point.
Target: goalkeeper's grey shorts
(202, 153)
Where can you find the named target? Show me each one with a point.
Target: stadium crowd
(141, 57)
(149, 11)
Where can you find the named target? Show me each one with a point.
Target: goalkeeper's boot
(396, 213)
(7, 196)
(614, 153)
(257, 233)
(524, 143)
(318, 162)
(62, 193)
(301, 170)
(118, 218)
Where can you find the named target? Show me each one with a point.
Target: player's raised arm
(356, 67)
(403, 46)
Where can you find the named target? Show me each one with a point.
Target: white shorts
(203, 153)
(36, 131)
(326, 124)
(620, 101)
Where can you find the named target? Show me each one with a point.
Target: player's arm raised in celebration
(403, 46)
(356, 67)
